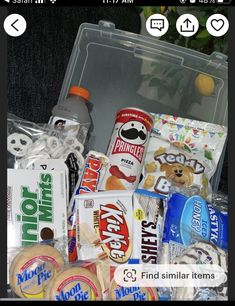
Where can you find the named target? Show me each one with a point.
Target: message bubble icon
(157, 25)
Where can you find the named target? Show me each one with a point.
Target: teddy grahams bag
(182, 152)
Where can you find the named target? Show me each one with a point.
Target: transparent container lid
(122, 69)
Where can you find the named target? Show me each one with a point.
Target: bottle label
(60, 124)
(72, 128)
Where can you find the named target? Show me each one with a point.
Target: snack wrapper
(33, 268)
(76, 282)
(92, 175)
(40, 146)
(148, 216)
(105, 226)
(109, 222)
(191, 219)
(183, 152)
(202, 252)
(135, 293)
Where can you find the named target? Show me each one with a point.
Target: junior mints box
(36, 206)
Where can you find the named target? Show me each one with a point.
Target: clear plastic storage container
(123, 69)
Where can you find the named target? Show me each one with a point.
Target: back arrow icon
(14, 23)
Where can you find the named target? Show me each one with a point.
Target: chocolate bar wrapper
(148, 216)
(104, 228)
(92, 175)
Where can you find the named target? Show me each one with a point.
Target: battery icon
(223, 1)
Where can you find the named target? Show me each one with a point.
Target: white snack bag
(182, 152)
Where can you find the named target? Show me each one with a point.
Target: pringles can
(127, 149)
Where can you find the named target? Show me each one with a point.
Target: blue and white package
(190, 219)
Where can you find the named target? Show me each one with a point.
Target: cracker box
(105, 226)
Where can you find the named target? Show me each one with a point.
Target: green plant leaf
(197, 98)
(203, 34)
(199, 43)
(150, 10)
(202, 20)
(172, 9)
(225, 45)
(155, 82)
(172, 18)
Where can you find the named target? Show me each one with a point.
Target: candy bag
(183, 152)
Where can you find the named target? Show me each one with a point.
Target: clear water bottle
(73, 114)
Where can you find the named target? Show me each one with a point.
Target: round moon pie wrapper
(33, 268)
(119, 293)
(74, 284)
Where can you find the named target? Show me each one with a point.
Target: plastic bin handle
(106, 25)
(219, 57)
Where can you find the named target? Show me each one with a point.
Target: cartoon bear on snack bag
(179, 174)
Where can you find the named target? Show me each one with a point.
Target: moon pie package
(182, 152)
(74, 283)
(189, 220)
(33, 268)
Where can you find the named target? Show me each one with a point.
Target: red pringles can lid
(127, 113)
